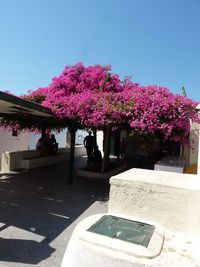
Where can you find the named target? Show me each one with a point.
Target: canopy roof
(13, 105)
(28, 114)
(15, 108)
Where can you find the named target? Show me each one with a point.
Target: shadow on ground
(39, 206)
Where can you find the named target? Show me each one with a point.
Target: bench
(29, 159)
(35, 162)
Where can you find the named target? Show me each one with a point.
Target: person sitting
(42, 145)
(53, 145)
(97, 158)
(89, 145)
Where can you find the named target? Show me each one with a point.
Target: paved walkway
(38, 213)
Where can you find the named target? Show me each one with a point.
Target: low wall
(170, 199)
(100, 175)
(28, 159)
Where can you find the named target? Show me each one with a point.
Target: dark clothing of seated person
(53, 145)
(89, 145)
(42, 146)
(97, 158)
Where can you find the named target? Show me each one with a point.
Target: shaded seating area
(29, 159)
(15, 110)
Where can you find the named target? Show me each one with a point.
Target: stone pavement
(38, 213)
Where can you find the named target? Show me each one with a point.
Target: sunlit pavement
(38, 213)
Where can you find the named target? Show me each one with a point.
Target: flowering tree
(95, 98)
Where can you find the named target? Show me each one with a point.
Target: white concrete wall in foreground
(170, 199)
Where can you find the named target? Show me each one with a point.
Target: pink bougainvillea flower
(95, 97)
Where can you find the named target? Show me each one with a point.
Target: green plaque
(135, 232)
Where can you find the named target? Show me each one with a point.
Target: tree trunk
(95, 138)
(72, 131)
(43, 133)
(106, 149)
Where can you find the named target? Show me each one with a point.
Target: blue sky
(155, 41)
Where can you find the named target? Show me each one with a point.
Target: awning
(14, 106)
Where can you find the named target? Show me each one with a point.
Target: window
(14, 132)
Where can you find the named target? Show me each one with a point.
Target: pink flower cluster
(94, 97)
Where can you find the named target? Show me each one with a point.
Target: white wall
(12, 143)
(24, 141)
(191, 153)
(100, 140)
(170, 199)
(194, 138)
(60, 137)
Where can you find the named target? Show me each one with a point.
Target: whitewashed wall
(12, 143)
(24, 141)
(60, 137)
(194, 137)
